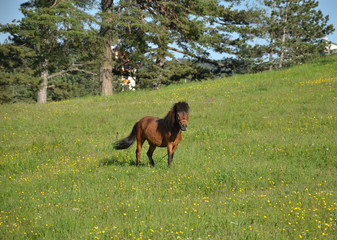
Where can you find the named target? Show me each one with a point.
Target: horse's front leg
(170, 153)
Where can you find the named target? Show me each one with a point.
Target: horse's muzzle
(183, 127)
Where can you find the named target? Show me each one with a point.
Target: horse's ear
(170, 118)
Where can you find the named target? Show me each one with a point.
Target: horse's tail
(128, 141)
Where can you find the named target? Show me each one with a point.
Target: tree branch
(197, 57)
(74, 69)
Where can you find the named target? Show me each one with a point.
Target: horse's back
(148, 122)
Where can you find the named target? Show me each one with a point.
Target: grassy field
(259, 161)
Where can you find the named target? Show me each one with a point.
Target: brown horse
(159, 132)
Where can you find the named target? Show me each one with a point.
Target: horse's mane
(171, 118)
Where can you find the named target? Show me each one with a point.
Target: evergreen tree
(56, 31)
(146, 33)
(58, 37)
(271, 30)
(307, 27)
(17, 81)
(295, 29)
(192, 28)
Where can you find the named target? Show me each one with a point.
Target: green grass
(257, 162)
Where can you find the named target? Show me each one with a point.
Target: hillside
(258, 161)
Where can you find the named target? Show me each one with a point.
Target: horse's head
(182, 109)
(182, 118)
(178, 115)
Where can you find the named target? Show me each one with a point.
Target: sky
(9, 10)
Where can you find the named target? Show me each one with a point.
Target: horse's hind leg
(150, 154)
(138, 150)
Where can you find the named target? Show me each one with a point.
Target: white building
(128, 79)
(331, 48)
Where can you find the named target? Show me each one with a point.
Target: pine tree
(17, 81)
(272, 31)
(146, 33)
(191, 28)
(55, 30)
(307, 27)
(295, 29)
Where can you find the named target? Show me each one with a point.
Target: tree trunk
(271, 45)
(105, 71)
(160, 63)
(284, 35)
(42, 93)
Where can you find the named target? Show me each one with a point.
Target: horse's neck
(175, 130)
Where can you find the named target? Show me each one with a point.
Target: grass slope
(257, 162)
